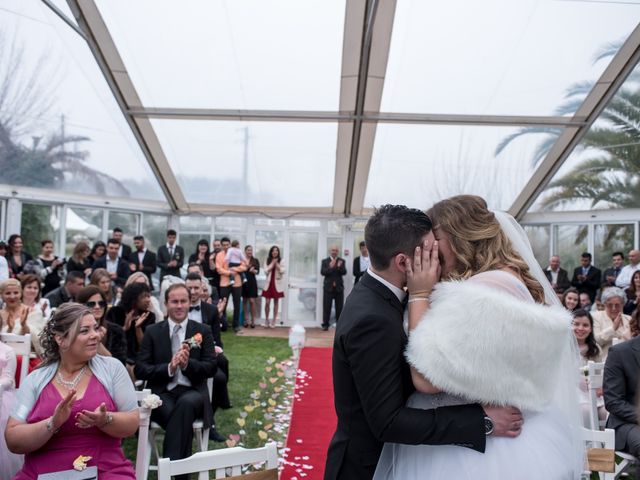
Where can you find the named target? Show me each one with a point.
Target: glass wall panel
(417, 165)
(603, 171)
(82, 225)
(539, 237)
(128, 222)
(39, 222)
(154, 229)
(252, 163)
(611, 238)
(63, 125)
(256, 54)
(304, 223)
(303, 276)
(570, 243)
(195, 223)
(189, 241)
(230, 224)
(502, 57)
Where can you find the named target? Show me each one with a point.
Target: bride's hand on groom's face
(507, 421)
(423, 271)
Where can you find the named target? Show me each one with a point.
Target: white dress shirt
(112, 265)
(398, 292)
(179, 379)
(365, 262)
(141, 255)
(196, 315)
(623, 280)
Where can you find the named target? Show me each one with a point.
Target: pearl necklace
(71, 384)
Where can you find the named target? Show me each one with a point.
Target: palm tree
(608, 174)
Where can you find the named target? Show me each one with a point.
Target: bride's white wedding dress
(485, 340)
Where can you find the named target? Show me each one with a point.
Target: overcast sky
(489, 57)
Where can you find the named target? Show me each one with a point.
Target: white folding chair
(595, 372)
(21, 344)
(200, 434)
(600, 439)
(221, 460)
(144, 446)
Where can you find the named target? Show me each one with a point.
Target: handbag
(89, 473)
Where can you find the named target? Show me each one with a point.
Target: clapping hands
(88, 419)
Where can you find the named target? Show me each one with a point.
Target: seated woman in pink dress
(75, 403)
(10, 463)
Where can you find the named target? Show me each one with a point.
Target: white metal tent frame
(366, 45)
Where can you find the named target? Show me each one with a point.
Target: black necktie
(196, 308)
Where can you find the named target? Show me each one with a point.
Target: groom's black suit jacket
(372, 382)
(155, 355)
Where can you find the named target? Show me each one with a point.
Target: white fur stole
(488, 346)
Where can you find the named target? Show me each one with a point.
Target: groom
(371, 378)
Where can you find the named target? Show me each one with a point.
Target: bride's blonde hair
(478, 242)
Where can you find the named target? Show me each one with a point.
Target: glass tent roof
(308, 106)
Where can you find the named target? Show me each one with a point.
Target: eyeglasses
(100, 304)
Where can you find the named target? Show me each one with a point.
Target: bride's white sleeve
(485, 341)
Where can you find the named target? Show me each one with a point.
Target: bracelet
(428, 292)
(419, 299)
(108, 421)
(49, 426)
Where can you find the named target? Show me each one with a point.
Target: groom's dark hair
(394, 229)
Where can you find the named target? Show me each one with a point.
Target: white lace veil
(566, 396)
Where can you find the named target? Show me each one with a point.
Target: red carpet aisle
(313, 418)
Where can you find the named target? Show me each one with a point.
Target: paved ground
(315, 337)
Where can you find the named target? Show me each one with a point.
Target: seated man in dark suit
(587, 277)
(117, 267)
(176, 368)
(558, 277)
(73, 283)
(620, 385)
(142, 260)
(208, 314)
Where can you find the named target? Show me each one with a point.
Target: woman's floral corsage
(151, 401)
(194, 342)
(80, 463)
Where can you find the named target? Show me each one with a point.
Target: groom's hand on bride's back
(507, 421)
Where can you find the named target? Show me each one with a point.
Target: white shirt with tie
(196, 314)
(179, 379)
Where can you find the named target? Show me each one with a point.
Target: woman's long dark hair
(206, 254)
(11, 241)
(86, 293)
(95, 247)
(270, 257)
(592, 347)
(631, 291)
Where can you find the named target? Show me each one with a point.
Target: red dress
(271, 291)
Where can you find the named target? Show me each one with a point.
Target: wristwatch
(488, 426)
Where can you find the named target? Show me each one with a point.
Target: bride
(494, 333)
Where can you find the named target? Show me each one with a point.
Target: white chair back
(144, 447)
(600, 439)
(21, 344)
(595, 373)
(219, 461)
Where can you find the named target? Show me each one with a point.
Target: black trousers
(632, 445)
(220, 396)
(328, 297)
(235, 293)
(180, 407)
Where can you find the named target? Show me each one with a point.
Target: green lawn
(259, 390)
